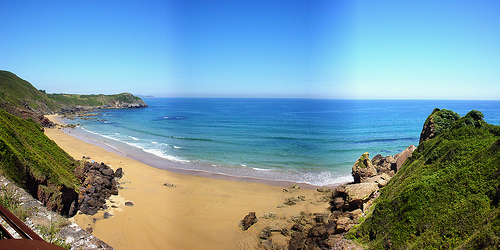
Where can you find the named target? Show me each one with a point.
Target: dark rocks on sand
(248, 221)
(166, 184)
(129, 204)
(119, 173)
(98, 184)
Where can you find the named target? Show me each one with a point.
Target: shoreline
(196, 211)
(194, 168)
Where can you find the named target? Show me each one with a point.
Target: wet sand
(196, 213)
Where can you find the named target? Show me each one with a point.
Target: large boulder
(359, 193)
(403, 156)
(363, 168)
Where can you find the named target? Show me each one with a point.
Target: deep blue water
(301, 140)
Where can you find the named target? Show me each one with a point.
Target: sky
(284, 49)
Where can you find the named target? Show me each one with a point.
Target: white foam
(154, 142)
(243, 165)
(261, 169)
(160, 154)
(134, 138)
(177, 147)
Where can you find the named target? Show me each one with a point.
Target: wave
(177, 147)
(134, 138)
(388, 140)
(160, 154)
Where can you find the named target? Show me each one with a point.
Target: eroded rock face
(363, 168)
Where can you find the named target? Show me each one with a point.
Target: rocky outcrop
(98, 184)
(363, 168)
(403, 156)
(437, 122)
(348, 203)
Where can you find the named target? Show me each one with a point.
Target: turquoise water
(300, 140)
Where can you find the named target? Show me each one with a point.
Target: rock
(296, 241)
(107, 215)
(338, 203)
(343, 225)
(267, 244)
(292, 188)
(324, 189)
(401, 157)
(355, 215)
(270, 215)
(437, 122)
(98, 184)
(321, 217)
(381, 179)
(166, 184)
(360, 193)
(119, 173)
(129, 203)
(385, 165)
(108, 172)
(89, 230)
(285, 232)
(248, 221)
(297, 227)
(265, 233)
(363, 168)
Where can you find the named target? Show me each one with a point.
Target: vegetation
(9, 200)
(49, 232)
(446, 195)
(93, 100)
(24, 149)
(21, 94)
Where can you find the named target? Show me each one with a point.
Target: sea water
(312, 141)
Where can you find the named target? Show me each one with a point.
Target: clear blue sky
(317, 49)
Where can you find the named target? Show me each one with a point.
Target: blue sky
(312, 49)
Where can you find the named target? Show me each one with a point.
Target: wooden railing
(24, 231)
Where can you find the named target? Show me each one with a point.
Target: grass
(445, 196)
(24, 149)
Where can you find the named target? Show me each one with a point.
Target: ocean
(313, 141)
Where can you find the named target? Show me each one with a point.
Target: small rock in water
(129, 203)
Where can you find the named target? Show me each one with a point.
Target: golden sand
(197, 213)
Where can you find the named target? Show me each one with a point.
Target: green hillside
(446, 195)
(73, 100)
(25, 150)
(22, 94)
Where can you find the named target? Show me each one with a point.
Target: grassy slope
(16, 91)
(446, 195)
(23, 146)
(93, 100)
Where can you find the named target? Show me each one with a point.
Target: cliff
(447, 194)
(36, 163)
(20, 97)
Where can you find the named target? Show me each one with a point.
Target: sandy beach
(190, 212)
